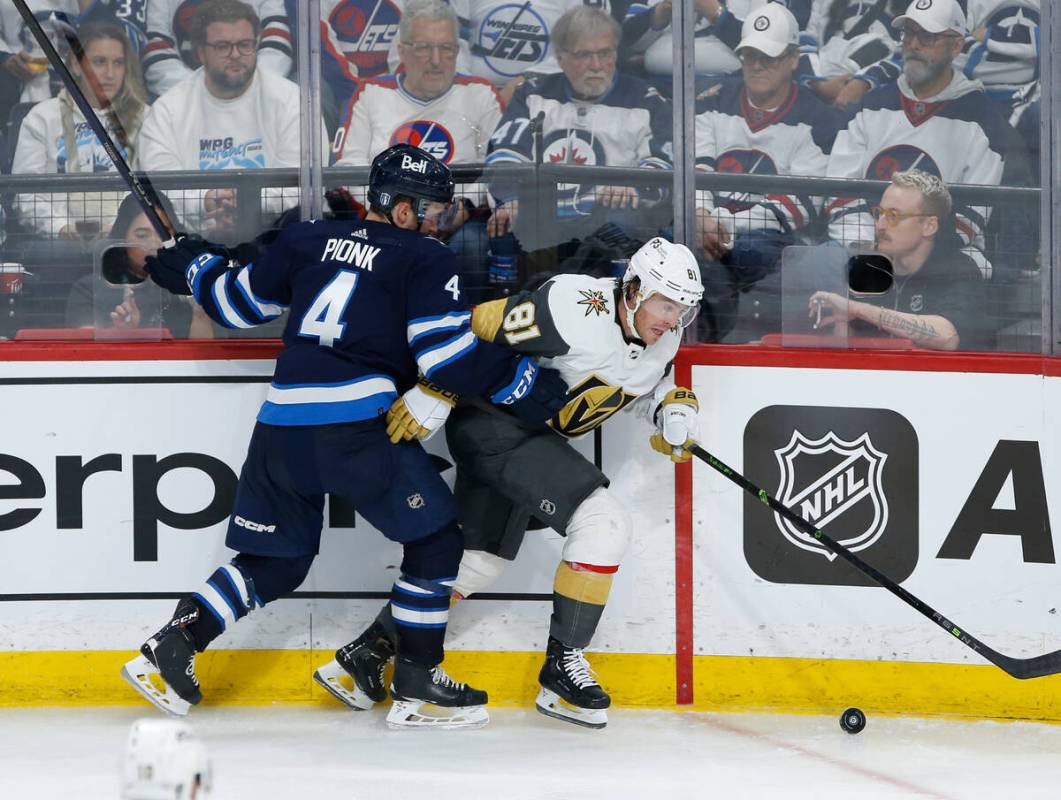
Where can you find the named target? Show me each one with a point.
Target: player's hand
(535, 393)
(617, 196)
(174, 266)
(676, 424)
(503, 219)
(419, 412)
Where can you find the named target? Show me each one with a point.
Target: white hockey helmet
(165, 760)
(668, 269)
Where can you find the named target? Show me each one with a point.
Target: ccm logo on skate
(251, 525)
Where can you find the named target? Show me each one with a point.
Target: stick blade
(1035, 667)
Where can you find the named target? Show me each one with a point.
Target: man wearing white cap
(933, 119)
(762, 123)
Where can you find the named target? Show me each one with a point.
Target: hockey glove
(419, 412)
(174, 267)
(534, 395)
(676, 424)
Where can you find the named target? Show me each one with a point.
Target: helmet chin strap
(630, 314)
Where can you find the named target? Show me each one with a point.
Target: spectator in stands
(428, 105)
(590, 115)
(936, 299)
(647, 33)
(115, 299)
(55, 138)
(762, 123)
(173, 50)
(24, 77)
(1000, 49)
(130, 14)
(933, 119)
(228, 115)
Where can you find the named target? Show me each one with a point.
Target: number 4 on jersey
(323, 319)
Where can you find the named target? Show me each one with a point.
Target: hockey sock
(235, 589)
(420, 597)
(580, 592)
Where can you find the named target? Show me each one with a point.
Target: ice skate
(169, 655)
(569, 690)
(426, 697)
(355, 675)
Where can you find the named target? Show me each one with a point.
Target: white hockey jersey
(454, 127)
(571, 323)
(190, 129)
(169, 56)
(629, 126)
(735, 137)
(15, 37)
(958, 136)
(1008, 58)
(42, 150)
(509, 38)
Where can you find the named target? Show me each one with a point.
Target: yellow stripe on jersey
(487, 318)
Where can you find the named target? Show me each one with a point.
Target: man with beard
(933, 119)
(228, 115)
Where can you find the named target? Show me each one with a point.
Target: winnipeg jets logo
(594, 301)
(923, 5)
(428, 135)
(763, 22)
(511, 38)
(831, 481)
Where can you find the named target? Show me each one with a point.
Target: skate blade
(552, 705)
(138, 673)
(333, 678)
(405, 714)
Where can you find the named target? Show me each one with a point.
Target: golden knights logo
(593, 401)
(594, 301)
(852, 472)
(834, 478)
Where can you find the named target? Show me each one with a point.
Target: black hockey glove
(172, 267)
(534, 395)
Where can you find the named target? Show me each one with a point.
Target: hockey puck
(853, 720)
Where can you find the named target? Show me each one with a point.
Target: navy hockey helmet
(407, 171)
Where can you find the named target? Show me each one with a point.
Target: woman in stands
(55, 138)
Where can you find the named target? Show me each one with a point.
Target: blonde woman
(55, 138)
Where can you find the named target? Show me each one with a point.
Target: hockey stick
(140, 187)
(1035, 667)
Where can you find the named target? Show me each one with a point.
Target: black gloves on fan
(169, 268)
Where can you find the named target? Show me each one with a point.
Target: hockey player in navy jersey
(371, 306)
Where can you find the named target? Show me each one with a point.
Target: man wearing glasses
(591, 115)
(171, 55)
(227, 115)
(933, 119)
(762, 123)
(936, 299)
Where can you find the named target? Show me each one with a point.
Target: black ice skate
(169, 654)
(426, 697)
(569, 690)
(360, 664)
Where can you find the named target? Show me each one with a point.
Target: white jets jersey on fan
(454, 127)
(169, 56)
(957, 136)
(735, 137)
(508, 38)
(1008, 58)
(571, 323)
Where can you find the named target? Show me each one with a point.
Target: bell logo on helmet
(416, 165)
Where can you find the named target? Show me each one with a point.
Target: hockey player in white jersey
(613, 342)
(170, 55)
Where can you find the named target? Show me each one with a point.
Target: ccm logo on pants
(251, 525)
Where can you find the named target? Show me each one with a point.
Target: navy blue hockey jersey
(370, 306)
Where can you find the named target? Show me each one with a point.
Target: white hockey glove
(419, 412)
(676, 424)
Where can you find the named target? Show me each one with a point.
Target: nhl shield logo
(415, 501)
(829, 478)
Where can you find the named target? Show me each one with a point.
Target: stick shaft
(1034, 667)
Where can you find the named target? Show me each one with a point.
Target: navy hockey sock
(420, 597)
